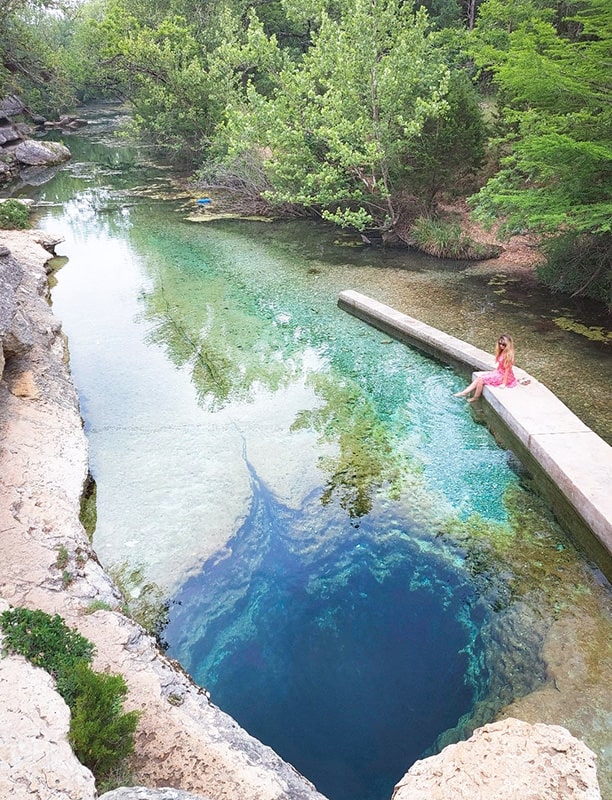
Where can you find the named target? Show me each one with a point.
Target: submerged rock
(506, 760)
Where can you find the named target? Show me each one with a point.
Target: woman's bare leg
(478, 390)
(468, 389)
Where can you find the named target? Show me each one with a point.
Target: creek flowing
(346, 554)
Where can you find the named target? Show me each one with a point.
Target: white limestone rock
(142, 793)
(506, 760)
(36, 760)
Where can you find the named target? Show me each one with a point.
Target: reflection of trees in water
(367, 459)
(228, 352)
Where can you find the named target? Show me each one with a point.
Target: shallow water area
(357, 572)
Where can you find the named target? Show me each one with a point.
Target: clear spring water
(305, 490)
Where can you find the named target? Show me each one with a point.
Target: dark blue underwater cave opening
(349, 663)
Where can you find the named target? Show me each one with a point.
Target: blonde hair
(508, 350)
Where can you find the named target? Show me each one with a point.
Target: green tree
(30, 63)
(337, 130)
(555, 173)
(451, 148)
(157, 65)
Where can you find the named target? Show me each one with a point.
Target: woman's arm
(507, 369)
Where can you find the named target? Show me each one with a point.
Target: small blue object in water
(204, 201)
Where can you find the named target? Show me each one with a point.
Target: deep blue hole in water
(348, 661)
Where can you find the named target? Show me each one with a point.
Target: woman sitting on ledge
(502, 375)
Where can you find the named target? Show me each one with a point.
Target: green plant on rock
(98, 605)
(45, 641)
(101, 734)
(63, 557)
(144, 600)
(67, 578)
(14, 215)
(89, 509)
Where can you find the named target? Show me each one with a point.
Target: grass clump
(63, 557)
(444, 239)
(101, 735)
(14, 215)
(98, 605)
(143, 600)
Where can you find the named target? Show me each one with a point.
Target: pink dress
(496, 378)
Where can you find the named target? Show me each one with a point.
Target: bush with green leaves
(46, 642)
(579, 265)
(102, 735)
(14, 215)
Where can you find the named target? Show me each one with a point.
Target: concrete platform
(575, 464)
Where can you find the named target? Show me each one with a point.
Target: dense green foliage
(555, 176)
(14, 215)
(46, 642)
(556, 101)
(365, 112)
(101, 734)
(338, 128)
(33, 36)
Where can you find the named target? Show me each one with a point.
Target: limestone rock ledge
(182, 740)
(36, 759)
(142, 793)
(507, 760)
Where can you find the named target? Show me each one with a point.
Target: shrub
(14, 214)
(46, 642)
(579, 265)
(101, 734)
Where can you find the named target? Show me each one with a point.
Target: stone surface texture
(142, 793)
(182, 740)
(36, 759)
(35, 154)
(19, 153)
(507, 760)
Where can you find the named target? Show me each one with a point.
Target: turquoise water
(307, 492)
(347, 647)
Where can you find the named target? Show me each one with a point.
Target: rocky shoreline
(182, 740)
